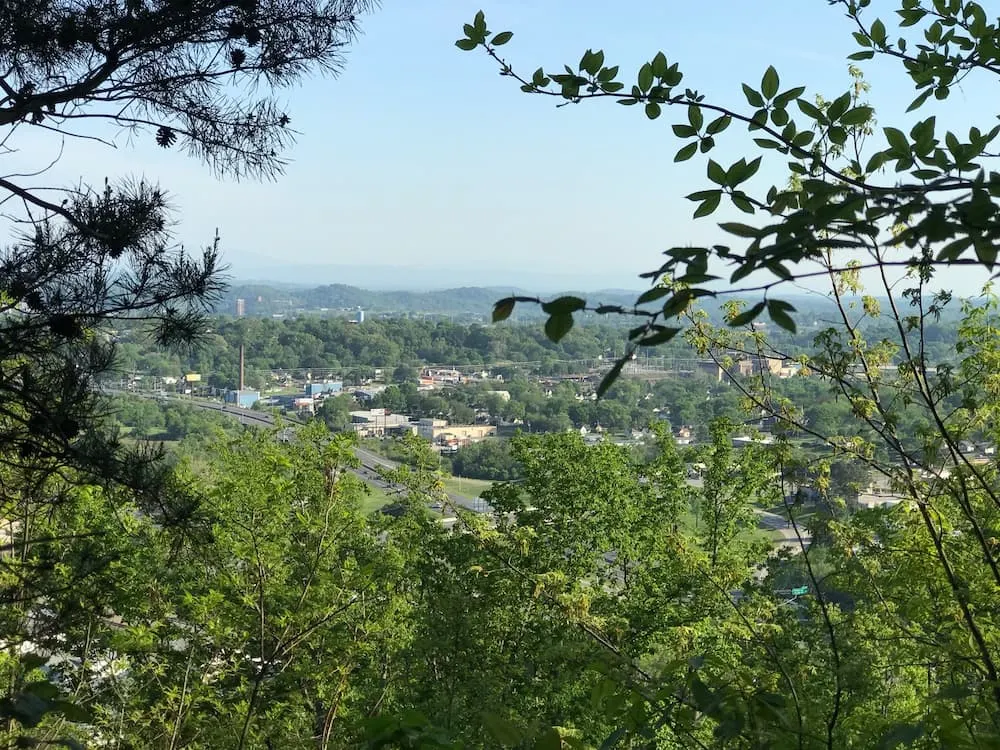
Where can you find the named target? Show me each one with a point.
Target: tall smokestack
(241, 367)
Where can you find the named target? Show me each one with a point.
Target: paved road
(371, 462)
(784, 537)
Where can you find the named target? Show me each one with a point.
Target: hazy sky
(420, 155)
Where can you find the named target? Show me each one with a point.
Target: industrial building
(379, 423)
(243, 398)
(315, 389)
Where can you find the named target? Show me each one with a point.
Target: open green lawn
(466, 487)
(376, 498)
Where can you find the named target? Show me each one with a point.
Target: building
(368, 393)
(315, 389)
(244, 398)
(742, 441)
(428, 429)
(876, 496)
(241, 307)
(379, 423)
(439, 432)
(442, 376)
(304, 404)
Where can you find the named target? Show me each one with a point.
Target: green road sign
(800, 591)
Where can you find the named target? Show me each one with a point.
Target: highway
(783, 535)
(371, 463)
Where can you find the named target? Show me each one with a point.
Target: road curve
(370, 461)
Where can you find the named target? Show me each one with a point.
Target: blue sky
(421, 156)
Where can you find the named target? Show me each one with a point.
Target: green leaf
(677, 304)
(558, 325)
(743, 171)
(901, 734)
(747, 316)
(659, 65)
(742, 202)
(502, 38)
(466, 44)
(608, 74)
(614, 739)
(811, 110)
(753, 98)
(838, 107)
(866, 54)
(803, 139)
(591, 62)
(612, 375)
(780, 316)
(701, 195)
(652, 110)
(719, 124)
(684, 131)
(780, 304)
(769, 83)
(550, 740)
(28, 709)
(645, 79)
(686, 152)
(919, 101)
(740, 230)
(716, 173)
(986, 253)
(660, 337)
(503, 731)
(695, 116)
(856, 116)
(730, 728)
(954, 249)
(703, 697)
(503, 309)
(876, 162)
(878, 32)
(708, 206)
(42, 689)
(783, 99)
(955, 692)
(897, 140)
(651, 295)
(563, 305)
(767, 143)
(73, 712)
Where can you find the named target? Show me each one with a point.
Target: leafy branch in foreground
(920, 199)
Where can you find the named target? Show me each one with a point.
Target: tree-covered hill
(472, 301)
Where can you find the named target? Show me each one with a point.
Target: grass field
(376, 498)
(466, 487)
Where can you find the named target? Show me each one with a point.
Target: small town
(539, 376)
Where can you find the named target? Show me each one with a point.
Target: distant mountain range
(269, 298)
(425, 277)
